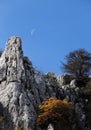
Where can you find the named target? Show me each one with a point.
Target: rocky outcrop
(64, 79)
(12, 87)
(23, 89)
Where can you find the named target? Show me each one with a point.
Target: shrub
(1, 118)
(55, 111)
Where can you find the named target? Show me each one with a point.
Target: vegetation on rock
(78, 63)
(20, 128)
(51, 79)
(57, 112)
(1, 118)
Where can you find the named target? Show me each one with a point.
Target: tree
(60, 113)
(78, 63)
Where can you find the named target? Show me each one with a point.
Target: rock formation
(13, 95)
(23, 89)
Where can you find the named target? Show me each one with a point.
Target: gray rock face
(22, 89)
(11, 61)
(64, 79)
(13, 79)
(50, 127)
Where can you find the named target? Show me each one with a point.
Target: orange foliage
(1, 118)
(54, 110)
(20, 128)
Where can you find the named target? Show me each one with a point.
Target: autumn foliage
(20, 128)
(1, 118)
(53, 111)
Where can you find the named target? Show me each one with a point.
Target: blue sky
(49, 29)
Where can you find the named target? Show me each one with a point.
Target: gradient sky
(49, 29)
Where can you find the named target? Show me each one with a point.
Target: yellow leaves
(1, 118)
(54, 110)
(20, 128)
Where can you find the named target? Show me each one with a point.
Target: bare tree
(78, 63)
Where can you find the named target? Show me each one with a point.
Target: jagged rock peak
(19, 109)
(14, 40)
(11, 61)
(13, 45)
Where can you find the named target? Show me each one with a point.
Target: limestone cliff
(23, 89)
